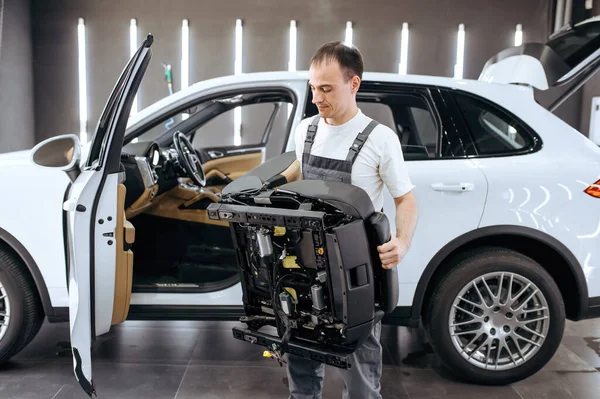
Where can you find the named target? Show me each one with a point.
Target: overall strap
(310, 134)
(359, 141)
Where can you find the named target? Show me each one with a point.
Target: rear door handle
(454, 187)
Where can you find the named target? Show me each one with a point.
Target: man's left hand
(392, 252)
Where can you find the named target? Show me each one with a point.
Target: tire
(519, 358)
(26, 313)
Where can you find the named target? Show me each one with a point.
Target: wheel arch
(565, 268)
(34, 271)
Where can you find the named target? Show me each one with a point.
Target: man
(323, 148)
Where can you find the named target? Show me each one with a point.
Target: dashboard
(148, 173)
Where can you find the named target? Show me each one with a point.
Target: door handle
(215, 154)
(454, 187)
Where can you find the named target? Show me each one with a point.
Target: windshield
(167, 123)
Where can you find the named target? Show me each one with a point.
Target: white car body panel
(32, 214)
(46, 248)
(443, 215)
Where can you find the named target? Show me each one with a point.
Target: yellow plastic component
(267, 354)
(320, 251)
(279, 231)
(292, 293)
(290, 263)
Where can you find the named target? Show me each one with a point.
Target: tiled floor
(202, 360)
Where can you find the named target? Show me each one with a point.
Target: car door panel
(450, 191)
(233, 165)
(124, 239)
(442, 215)
(88, 306)
(95, 221)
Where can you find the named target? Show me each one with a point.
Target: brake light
(594, 190)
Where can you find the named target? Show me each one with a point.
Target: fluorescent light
(82, 82)
(185, 59)
(238, 47)
(132, 37)
(292, 61)
(132, 50)
(460, 52)
(237, 112)
(403, 66)
(519, 35)
(348, 40)
(185, 54)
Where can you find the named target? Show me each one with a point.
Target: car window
(410, 118)
(493, 131)
(264, 124)
(255, 129)
(575, 46)
(164, 126)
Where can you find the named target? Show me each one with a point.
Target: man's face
(332, 94)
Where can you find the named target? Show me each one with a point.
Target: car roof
(492, 91)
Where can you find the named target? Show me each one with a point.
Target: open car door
(571, 56)
(99, 262)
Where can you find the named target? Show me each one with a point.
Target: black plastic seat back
(378, 231)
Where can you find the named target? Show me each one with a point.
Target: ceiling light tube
(82, 81)
(132, 49)
(403, 66)
(292, 60)
(460, 52)
(519, 35)
(237, 112)
(185, 54)
(293, 33)
(348, 40)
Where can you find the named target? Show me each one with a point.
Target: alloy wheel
(499, 321)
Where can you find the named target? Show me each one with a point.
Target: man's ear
(355, 83)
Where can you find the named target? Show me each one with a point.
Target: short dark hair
(349, 58)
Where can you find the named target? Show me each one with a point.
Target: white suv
(507, 244)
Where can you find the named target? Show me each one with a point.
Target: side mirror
(61, 152)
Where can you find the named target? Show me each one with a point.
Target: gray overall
(306, 376)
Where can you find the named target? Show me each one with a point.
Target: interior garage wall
(16, 77)
(377, 29)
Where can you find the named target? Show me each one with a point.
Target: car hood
(15, 158)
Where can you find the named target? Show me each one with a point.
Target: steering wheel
(188, 159)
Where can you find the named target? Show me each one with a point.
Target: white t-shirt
(379, 162)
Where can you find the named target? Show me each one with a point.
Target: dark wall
(16, 82)
(377, 29)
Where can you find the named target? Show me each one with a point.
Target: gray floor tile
(583, 385)
(31, 380)
(544, 385)
(57, 381)
(587, 348)
(233, 382)
(126, 344)
(129, 381)
(439, 383)
(566, 360)
(583, 328)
